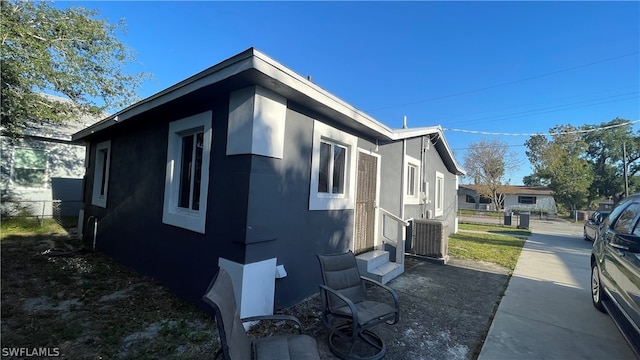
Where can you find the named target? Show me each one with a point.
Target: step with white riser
(385, 273)
(372, 259)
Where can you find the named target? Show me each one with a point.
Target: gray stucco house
(252, 167)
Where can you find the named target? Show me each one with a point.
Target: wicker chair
(236, 345)
(349, 313)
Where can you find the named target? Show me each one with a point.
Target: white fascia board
(401, 134)
(288, 77)
(256, 60)
(459, 169)
(208, 77)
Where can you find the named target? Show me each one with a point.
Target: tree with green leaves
(488, 162)
(608, 143)
(559, 162)
(63, 52)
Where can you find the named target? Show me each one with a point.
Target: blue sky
(506, 67)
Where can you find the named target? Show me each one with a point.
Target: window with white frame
(439, 194)
(332, 169)
(529, 200)
(29, 167)
(187, 173)
(412, 180)
(101, 174)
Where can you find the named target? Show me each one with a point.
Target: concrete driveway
(546, 312)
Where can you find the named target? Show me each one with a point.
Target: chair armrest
(352, 306)
(275, 317)
(394, 294)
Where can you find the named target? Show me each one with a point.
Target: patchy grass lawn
(89, 307)
(85, 304)
(498, 248)
(29, 226)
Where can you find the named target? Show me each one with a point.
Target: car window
(626, 222)
(617, 210)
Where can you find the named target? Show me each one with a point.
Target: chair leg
(365, 346)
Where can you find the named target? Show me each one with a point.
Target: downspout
(423, 172)
(402, 177)
(402, 169)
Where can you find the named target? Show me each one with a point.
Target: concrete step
(371, 260)
(385, 272)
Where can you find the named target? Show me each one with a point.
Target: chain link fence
(64, 213)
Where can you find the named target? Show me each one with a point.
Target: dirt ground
(89, 307)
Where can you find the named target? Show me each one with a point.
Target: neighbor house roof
(42, 129)
(517, 189)
(255, 67)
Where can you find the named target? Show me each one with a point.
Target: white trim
(98, 199)
(415, 198)
(439, 194)
(254, 59)
(376, 243)
(322, 201)
(256, 122)
(253, 285)
(171, 214)
(46, 182)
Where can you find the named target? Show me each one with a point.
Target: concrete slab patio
(445, 310)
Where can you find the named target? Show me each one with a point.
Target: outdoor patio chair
(234, 341)
(349, 312)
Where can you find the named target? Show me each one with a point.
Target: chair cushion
(285, 347)
(367, 311)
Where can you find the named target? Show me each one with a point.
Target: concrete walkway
(546, 312)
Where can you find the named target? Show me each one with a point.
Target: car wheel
(596, 288)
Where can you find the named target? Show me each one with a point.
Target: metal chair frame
(235, 343)
(350, 318)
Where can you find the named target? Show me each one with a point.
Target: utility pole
(624, 162)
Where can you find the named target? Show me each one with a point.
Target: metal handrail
(393, 216)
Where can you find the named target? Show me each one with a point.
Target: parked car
(615, 268)
(592, 225)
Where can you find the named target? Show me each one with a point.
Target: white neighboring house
(42, 166)
(516, 197)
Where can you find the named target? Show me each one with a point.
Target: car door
(592, 225)
(622, 260)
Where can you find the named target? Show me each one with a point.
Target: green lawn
(29, 226)
(495, 214)
(496, 229)
(498, 245)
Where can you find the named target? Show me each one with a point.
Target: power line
(562, 107)
(545, 134)
(513, 145)
(510, 82)
(570, 101)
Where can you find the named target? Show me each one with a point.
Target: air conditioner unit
(430, 238)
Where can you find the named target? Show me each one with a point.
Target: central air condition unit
(430, 238)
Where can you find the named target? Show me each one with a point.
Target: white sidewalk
(546, 312)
